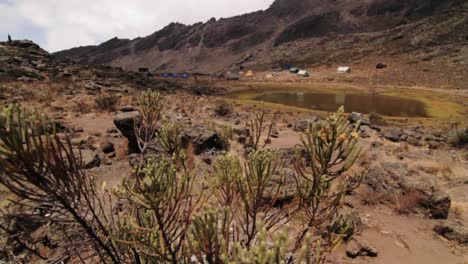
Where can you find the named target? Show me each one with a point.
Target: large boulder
(125, 123)
(439, 205)
(204, 139)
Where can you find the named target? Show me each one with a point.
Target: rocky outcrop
(125, 123)
(204, 139)
(196, 47)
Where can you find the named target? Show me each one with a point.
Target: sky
(62, 24)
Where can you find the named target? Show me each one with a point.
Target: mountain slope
(198, 47)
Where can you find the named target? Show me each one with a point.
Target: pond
(362, 103)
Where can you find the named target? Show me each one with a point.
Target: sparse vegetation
(164, 220)
(223, 108)
(377, 119)
(330, 150)
(106, 101)
(458, 137)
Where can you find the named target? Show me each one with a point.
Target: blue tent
(185, 75)
(166, 75)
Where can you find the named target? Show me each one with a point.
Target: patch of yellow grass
(458, 208)
(435, 167)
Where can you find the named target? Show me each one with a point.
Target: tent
(166, 75)
(343, 70)
(294, 70)
(303, 73)
(249, 74)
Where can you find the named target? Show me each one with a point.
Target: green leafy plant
(161, 207)
(40, 168)
(330, 148)
(253, 184)
(151, 110)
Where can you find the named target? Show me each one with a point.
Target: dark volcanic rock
(393, 134)
(453, 230)
(354, 117)
(439, 205)
(126, 122)
(204, 139)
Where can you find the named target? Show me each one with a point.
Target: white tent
(344, 70)
(303, 73)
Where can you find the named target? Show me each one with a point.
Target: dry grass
(128, 100)
(106, 101)
(121, 150)
(82, 105)
(458, 209)
(434, 167)
(405, 203)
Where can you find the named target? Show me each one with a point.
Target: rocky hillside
(253, 37)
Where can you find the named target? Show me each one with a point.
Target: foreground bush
(165, 217)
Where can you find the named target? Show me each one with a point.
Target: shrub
(162, 220)
(256, 125)
(377, 119)
(40, 168)
(458, 137)
(222, 108)
(331, 149)
(106, 101)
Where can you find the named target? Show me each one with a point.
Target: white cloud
(71, 23)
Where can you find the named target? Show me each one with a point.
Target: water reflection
(363, 103)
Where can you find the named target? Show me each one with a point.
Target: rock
(380, 66)
(24, 71)
(125, 123)
(303, 124)
(355, 117)
(274, 133)
(232, 76)
(241, 132)
(204, 139)
(78, 129)
(366, 132)
(127, 108)
(393, 134)
(438, 204)
(107, 147)
(90, 159)
(78, 141)
(434, 145)
(413, 142)
(453, 230)
(361, 248)
(242, 139)
(112, 130)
